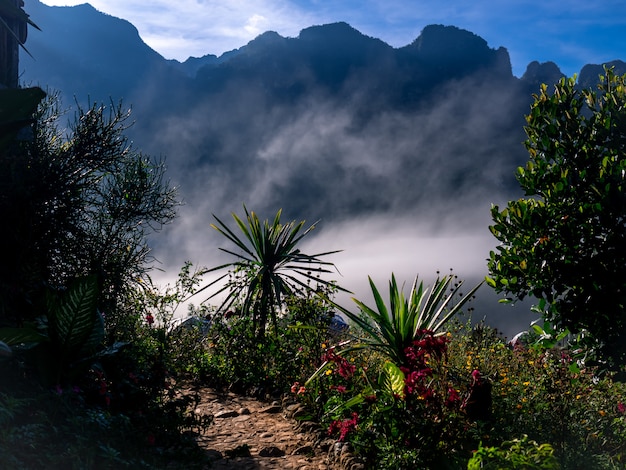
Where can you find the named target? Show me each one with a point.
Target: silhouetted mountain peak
(450, 52)
(538, 73)
(332, 32)
(263, 42)
(590, 72)
(437, 39)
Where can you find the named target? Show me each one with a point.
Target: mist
(405, 192)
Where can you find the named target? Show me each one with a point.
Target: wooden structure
(13, 23)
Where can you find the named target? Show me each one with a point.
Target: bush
(519, 454)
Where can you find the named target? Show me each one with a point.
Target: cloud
(393, 190)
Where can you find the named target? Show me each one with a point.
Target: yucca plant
(392, 329)
(269, 267)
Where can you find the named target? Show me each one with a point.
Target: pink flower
(302, 390)
(621, 408)
(294, 387)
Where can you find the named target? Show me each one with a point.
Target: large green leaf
(13, 336)
(392, 379)
(73, 314)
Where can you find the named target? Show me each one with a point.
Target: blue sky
(569, 33)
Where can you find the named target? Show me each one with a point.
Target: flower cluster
(298, 389)
(344, 426)
(344, 368)
(416, 368)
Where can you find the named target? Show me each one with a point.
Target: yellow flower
(328, 371)
(526, 384)
(602, 412)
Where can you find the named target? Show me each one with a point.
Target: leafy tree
(75, 202)
(565, 243)
(270, 266)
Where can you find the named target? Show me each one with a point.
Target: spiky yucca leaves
(392, 329)
(270, 266)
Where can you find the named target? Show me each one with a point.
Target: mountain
(394, 148)
(84, 52)
(330, 123)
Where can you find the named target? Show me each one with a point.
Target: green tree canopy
(565, 242)
(77, 201)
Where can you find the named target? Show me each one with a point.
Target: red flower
(346, 370)
(149, 319)
(621, 408)
(344, 427)
(453, 398)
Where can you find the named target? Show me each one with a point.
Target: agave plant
(269, 267)
(390, 330)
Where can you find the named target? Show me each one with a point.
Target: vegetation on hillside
(94, 367)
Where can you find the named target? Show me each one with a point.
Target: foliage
(77, 202)
(394, 417)
(270, 267)
(426, 414)
(127, 403)
(235, 357)
(547, 395)
(390, 330)
(516, 454)
(566, 242)
(68, 336)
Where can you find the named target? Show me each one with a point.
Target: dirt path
(249, 434)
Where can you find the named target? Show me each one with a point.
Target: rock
(303, 450)
(271, 409)
(225, 414)
(271, 451)
(239, 451)
(214, 455)
(244, 411)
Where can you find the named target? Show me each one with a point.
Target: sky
(570, 34)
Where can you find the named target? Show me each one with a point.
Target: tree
(74, 203)
(565, 242)
(270, 266)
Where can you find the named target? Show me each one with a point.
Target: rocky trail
(250, 434)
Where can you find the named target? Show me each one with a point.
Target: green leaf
(13, 336)
(72, 314)
(393, 379)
